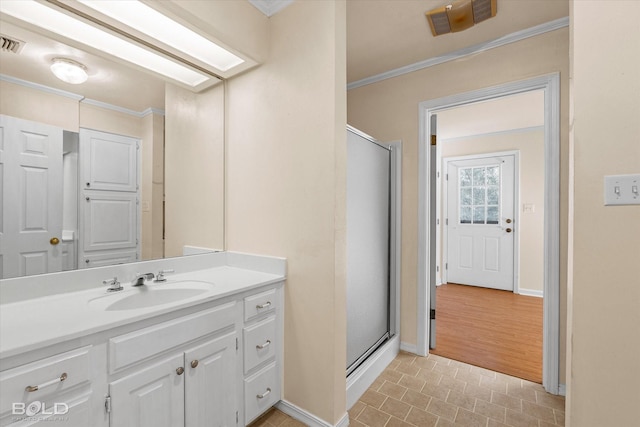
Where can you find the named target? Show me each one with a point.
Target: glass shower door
(368, 174)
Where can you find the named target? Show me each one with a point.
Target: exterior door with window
(480, 221)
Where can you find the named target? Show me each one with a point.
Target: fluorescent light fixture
(57, 22)
(149, 21)
(69, 71)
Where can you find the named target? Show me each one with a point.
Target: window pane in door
(465, 215)
(478, 196)
(492, 214)
(465, 177)
(493, 175)
(478, 215)
(493, 195)
(465, 197)
(478, 176)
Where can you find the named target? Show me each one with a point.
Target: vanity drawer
(261, 391)
(44, 377)
(258, 304)
(259, 343)
(126, 350)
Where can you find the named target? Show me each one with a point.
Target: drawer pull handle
(265, 305)
(265, 345)
(180, 370)
(32, 388)
(263, 395)
(194, 363)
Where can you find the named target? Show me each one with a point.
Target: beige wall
(194, 169)
(286, 173)
(604, 286)
(388, 110)
(530, 144)
(72, 114)
(152, 188)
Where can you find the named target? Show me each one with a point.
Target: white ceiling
(381, 35)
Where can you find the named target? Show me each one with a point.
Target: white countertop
(35, 323)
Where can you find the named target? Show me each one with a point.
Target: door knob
(508, 230)
(54, 241)
(508, 221)
(180, 370)
(194, 363)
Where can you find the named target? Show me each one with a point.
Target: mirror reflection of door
(45, 226)
(479, 221)
(31, 197)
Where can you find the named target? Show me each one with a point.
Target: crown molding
(80, 98)
(467, 51)
(270, 7)
(41, 88)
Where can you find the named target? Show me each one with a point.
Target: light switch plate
(622, 190)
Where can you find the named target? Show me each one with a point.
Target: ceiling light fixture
(460, 15)
(69, 71)
(149, 21)
(52, 20)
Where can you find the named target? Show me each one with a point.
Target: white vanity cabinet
(55, 391)
(209, 362)
(194, 381)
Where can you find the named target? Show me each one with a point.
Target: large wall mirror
(178, 140)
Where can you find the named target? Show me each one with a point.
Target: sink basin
(151, 295)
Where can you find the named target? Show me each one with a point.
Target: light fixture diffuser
(149, 21)
(69, 71)
(42, 16)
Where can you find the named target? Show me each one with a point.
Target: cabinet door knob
(194, 363)
(180, 370)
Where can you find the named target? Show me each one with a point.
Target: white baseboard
(530, 293)
(409, 348)
(307, 418)
(562, 389)
(362, 378)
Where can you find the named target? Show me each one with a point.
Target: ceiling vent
(460, 15)
(10, 44)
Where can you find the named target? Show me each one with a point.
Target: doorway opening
(432, 269)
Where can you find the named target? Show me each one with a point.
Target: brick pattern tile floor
(434, 391)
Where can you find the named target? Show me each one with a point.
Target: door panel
(109, 161)
(480, 214)
(110, 220)
(32, 198)
(152, 397)
(210, 391)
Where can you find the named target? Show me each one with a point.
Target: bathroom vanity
(202, 348)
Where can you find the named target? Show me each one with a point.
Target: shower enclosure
(369, 317)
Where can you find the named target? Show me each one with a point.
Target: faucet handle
(114, 285)
(160, 276)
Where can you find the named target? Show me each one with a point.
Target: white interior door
(480, 221)
(31, 182)
(109, 161)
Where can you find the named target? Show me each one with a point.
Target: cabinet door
(109, 162)
(152, 397)
(210, 391)
(110, 220)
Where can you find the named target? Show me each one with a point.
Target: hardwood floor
(493, 329)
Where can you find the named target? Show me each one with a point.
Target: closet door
(30, 197)
(368, 175)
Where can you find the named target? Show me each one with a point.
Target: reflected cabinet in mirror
(122, 168)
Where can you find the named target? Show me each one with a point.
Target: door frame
(444, 207)
(550, 84)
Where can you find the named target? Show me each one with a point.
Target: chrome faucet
(140, 279)
(114, 285)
